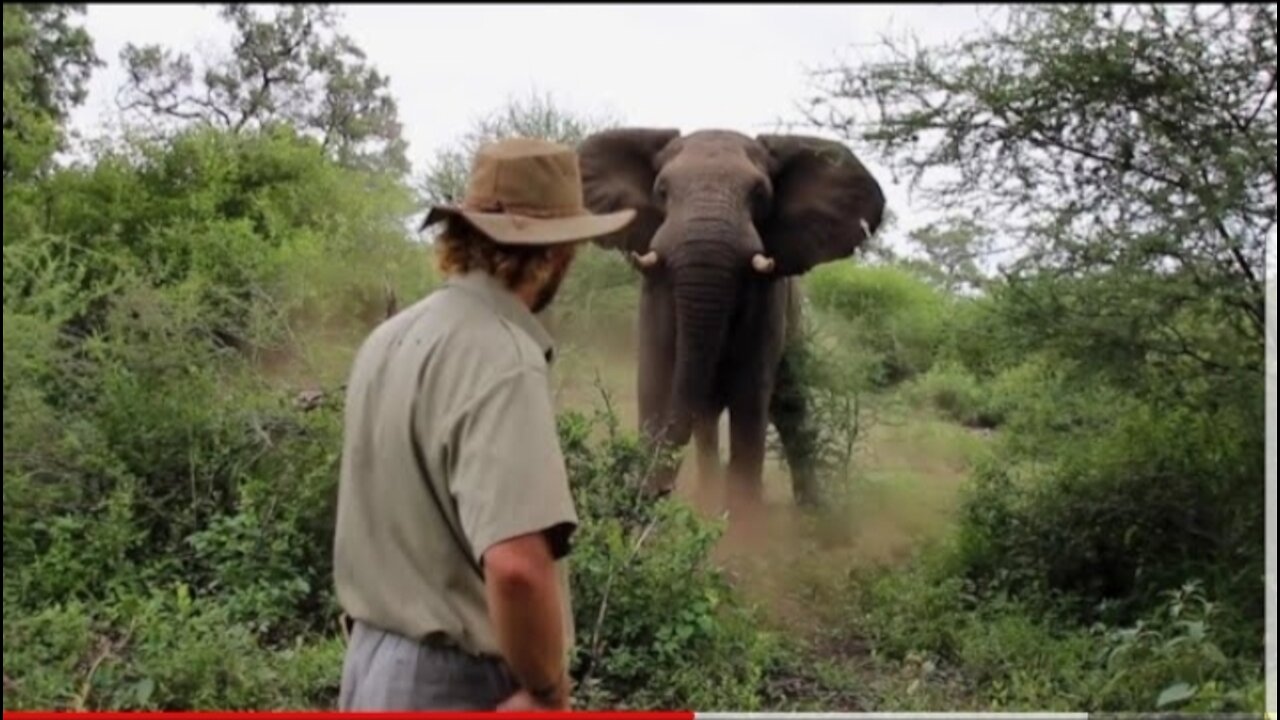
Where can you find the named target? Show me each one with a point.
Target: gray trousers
(386, 671)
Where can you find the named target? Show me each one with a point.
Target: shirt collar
(507, 304)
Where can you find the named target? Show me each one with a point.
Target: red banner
(287, 715)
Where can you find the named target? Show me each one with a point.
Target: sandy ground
(903, 488)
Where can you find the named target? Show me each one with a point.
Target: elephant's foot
(746, 509)
(745, 485)
(709, 467)
(710, 475)
(805, 489)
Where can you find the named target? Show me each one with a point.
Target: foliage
(535, 116)
(145, 447)
(47, 63)
(1142, 500)
(293, 68)
(1141, 142)
(232, 220)
(165, 651)
(888, 313)
(1131, 153)
(958, 395)
(835, 385)
(658, 625)
(928, 625)
(953, 253)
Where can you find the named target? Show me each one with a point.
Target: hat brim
(511, 229)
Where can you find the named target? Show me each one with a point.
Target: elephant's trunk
(706, 275)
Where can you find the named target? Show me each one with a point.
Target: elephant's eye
(759, 199)
(660, 193)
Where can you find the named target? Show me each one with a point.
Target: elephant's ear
(618, 170)
(825, 203)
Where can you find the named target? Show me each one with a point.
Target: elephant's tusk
(647, 260)
(866, 229)
(762, 264)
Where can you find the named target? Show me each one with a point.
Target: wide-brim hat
(524, 191)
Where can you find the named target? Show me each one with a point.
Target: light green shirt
(451, 394)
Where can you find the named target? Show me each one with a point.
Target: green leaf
(143, 691)
(1176, 693)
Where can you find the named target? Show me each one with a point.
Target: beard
(548, 291)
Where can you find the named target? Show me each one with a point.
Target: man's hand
(524, 600)
(522, 700)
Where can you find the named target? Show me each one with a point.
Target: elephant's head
(717, 211)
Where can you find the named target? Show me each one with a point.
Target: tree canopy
(47, 64)
(1123, 147)
(536, 115)
(294, 67)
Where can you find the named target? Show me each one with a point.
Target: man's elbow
(519, 566)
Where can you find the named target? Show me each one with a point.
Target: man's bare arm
(525, 608)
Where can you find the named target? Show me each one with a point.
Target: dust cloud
(781, 557)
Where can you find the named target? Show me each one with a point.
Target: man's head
(534, 272)
(521, 219)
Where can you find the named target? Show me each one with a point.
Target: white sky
(741, 67)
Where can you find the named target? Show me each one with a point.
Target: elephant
(725, 226)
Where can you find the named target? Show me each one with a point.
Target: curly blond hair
(461, 248)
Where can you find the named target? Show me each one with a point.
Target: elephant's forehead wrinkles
(719, 193)
(733, 174)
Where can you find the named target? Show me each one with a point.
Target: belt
(439, 640)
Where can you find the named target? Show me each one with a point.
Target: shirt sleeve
(510, 477)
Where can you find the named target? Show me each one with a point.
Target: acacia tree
(535, 116)
(954, 250)
(293, 67)
(1132, 152)
(47, 64)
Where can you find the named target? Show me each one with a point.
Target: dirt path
(793, 566)
(907, 475)
(904, 490)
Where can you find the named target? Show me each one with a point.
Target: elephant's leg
(710, 481)
(706, 434)
(655, 372)
(789, 410)
(748, 426)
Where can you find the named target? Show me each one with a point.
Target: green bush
(142, 452)
(167, 651)
(929, 624)
(958, 395)
(657, 624)
(889, 313)
(1118, 512)
(251, 224)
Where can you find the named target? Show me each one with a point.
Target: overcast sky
(741, 67)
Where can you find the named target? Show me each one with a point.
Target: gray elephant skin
(725, 225)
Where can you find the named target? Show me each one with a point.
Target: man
(454, 510)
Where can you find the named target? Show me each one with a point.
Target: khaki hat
(525, 191)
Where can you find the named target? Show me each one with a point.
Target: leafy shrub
(958, 395)
(657, 624)
(835, 387)
(928, 624)
(141, 452)
(1123, 511)
(166, 651)
(252, 223)
(890, 313)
